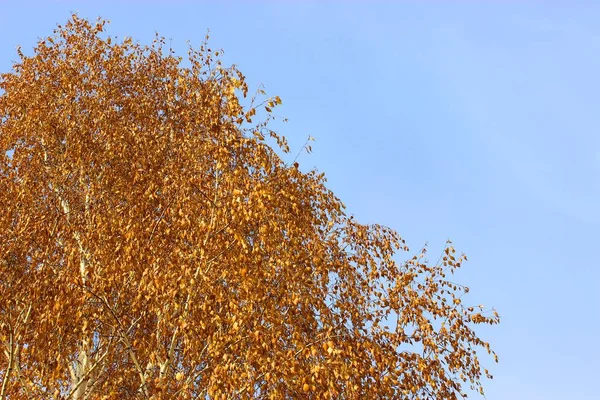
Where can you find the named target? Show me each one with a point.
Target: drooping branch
(10, 353)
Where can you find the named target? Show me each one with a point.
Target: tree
(155, 245)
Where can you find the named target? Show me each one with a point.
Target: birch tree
(155, 245)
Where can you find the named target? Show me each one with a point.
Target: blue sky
(475, 122)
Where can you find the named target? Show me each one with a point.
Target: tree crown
(154, 245)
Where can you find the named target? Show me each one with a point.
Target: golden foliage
(153, 245)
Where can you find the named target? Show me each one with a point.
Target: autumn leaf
(154, 245)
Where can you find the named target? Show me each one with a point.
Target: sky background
(475, 121)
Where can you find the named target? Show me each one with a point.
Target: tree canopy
(154, 244)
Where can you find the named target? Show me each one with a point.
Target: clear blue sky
(475, 122)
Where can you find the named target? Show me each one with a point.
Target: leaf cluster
(154, 245)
